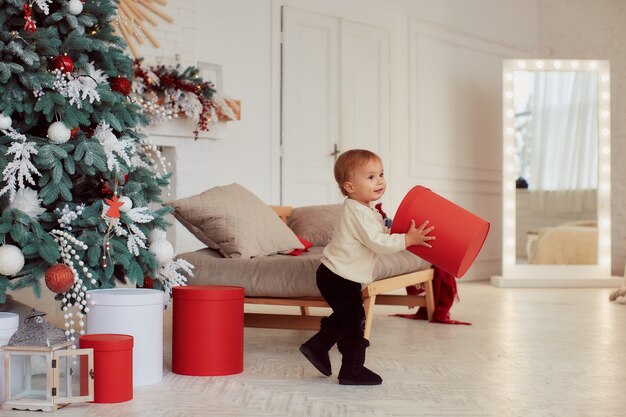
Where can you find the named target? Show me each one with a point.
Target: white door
(365, 88)
(335, 96)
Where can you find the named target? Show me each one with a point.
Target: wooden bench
(374, 293)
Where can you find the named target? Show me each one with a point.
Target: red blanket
(444, 289)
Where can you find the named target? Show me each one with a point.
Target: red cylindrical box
(460, 234)
(207, 330)
(112, 366)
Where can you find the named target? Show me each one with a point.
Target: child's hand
(419, 235)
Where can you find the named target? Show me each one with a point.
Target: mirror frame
(517, 275)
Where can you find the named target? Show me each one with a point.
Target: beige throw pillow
(236, 222)
(315, 223)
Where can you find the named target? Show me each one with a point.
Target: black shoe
(315, 351)
(358, 375)
(352, 371)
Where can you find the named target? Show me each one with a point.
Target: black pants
(344, 297)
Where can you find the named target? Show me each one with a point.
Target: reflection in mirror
(556, 168)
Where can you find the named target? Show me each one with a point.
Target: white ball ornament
(75, 7)
(156, 235)
(5, 122)
(163, 251)
(128, 204)
(59, 133)
(11, 260)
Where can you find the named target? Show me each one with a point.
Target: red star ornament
(114, 207)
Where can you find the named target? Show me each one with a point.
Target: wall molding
(420, 163)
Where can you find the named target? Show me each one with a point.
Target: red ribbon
(29, 26)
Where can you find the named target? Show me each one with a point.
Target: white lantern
(59, 133)
(11, 260)
(163, 250)
(5, 122)
(42, 371)
(75, 7)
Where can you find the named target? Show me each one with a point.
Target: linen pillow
(235, 222)
(315, 223)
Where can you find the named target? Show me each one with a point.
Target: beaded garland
(77, 295)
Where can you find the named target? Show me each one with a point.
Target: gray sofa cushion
(283, 275)
(315, 223)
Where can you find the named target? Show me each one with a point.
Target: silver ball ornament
(5, 122)
(75, 7)
(156, 235)
(128, 204)
(163, 251)
(59, 133)
(11, 260)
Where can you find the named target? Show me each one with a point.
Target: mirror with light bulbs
(556, 174)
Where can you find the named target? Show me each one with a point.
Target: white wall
(236, 35)
(596, 30)
(457, 154)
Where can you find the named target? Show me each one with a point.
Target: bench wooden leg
(430, 299)
(368, 305)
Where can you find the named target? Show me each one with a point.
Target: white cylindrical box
(9, 322)
(137, 312)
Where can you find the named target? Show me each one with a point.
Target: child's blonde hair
(348, 162)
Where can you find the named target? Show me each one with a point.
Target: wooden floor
(529, 352)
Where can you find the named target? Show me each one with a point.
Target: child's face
(367, 182)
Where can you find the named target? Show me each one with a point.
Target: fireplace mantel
(190, 167)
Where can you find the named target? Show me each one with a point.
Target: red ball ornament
(121, 85)
(105, 190)
(148, 282)
(74, 132)
(63, 63)
(59, 278)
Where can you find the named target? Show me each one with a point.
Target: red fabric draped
(444, 289)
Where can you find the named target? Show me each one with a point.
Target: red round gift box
(112, 366)
(459, 234)
(207, 330)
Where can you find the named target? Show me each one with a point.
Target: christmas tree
(78, 183)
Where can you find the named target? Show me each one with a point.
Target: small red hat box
(112, 366)
(459, 234)
(207, 330)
